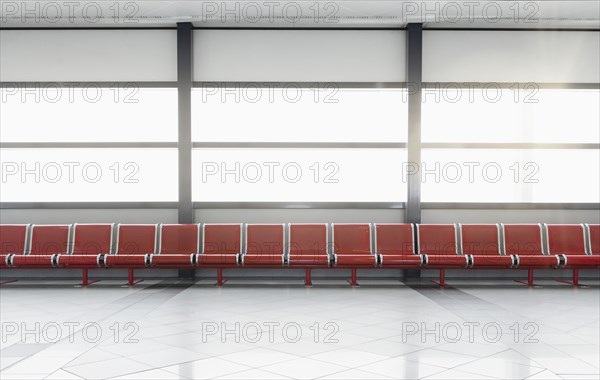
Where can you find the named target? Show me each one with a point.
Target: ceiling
(302, 13)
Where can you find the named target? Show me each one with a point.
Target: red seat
(90, 243)
(308, 245)
(222, 245)
(569, 241)
(13, 241)
(395, 245)
(438, 242)
(594, 239)
(352, 246)
(525, 241)
(136, 243)
(482, 241)
(46, 245)
(264, 245)
(179, 244)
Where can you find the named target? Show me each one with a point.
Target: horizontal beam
(84, 84)
(510, 146)
(309, 85)
(87, 205)
(513, 85)
(86, 145)
(299, 205)
(508, 206)
(299, 145)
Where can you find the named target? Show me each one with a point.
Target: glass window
(88, 113)
(88, 175)
(318, 175)
(283, 113)
(535, 175)
(528, 115)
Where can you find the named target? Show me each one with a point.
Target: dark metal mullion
(414, 78)
(185, 78)
(184, 96)
(414, 53)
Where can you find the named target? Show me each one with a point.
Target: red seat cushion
(352, 239)
(49, 239)
(480, 239)
(92, 239)
(566, 239)
(12, 238)
(437, 239)
(594, 239)
(179, 239)
(308, 239)
(222, 239)
(394, 239)
(356, 260)
(264, 239)
(523, 239)
(136, 239)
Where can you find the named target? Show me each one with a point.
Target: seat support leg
(352, 280)
(442, 281)
(529, 281)
(130, 279)
(308, 278)
(575, 281)
(220, 281)
(85, 279)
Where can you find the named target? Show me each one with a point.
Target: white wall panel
(293, 55)
(88, 55)
(511, 56)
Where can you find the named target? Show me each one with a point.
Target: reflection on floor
(381, 330)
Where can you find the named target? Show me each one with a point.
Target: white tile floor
(169, 330)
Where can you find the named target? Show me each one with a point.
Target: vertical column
(185, 210)
(414, 66)
(414, 78)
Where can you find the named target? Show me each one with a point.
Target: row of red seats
(437, 246)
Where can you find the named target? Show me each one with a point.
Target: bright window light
(88, 175)
(528, 115)
(535, 175)
(283, 113)
(51, 113)
(318, 175)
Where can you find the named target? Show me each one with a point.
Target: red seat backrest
(437, 239)
(522, 239)
(92, 239)
(480, 239)
(222, 238)
(136, 239)
(308, 239)
(13, 238)
(49, 239)
(568, 239)
(594, 230)
(394, 239)
(179, 239)
(264, 239)
(352, 238)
